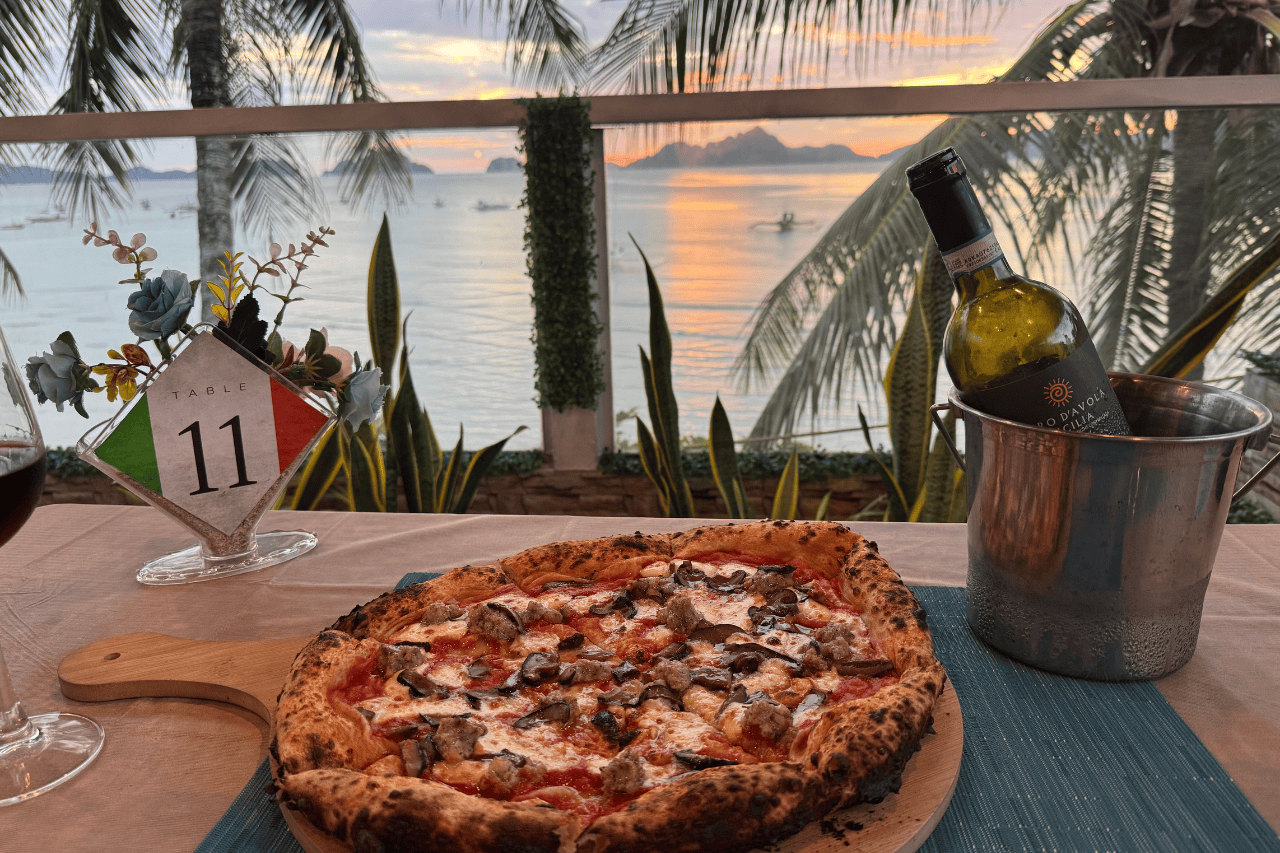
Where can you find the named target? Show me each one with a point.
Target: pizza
(711, 690)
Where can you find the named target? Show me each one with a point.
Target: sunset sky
(424, 50)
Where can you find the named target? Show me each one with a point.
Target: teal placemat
(1050, 764)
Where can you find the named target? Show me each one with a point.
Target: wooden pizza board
(250, 674)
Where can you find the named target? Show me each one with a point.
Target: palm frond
(336, 61)
(374, 172)
(547, 46)
(111, 62)
(1126, 306)
(24, 29)
(273, 186)
(10, 281)
(698, 45)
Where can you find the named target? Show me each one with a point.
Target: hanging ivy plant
(559, 241)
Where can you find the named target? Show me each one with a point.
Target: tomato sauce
(361, 683)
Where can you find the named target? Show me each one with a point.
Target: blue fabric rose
(52, 376)
(160, 308)
(362, 397)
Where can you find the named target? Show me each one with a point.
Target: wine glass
(41, 752)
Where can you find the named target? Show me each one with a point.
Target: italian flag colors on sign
(212, 433)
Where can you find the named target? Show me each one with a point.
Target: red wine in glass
(39, 752)
(22, 470)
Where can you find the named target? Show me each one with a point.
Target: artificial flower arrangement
(158, 310)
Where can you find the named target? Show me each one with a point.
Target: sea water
(709, 235)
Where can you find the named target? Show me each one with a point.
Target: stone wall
(547, 492)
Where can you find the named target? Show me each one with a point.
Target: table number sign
(211, 440)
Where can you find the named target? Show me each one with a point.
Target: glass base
(195, 564)
(62, 746)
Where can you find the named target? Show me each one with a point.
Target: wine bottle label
(972, 256)
(1073, 395)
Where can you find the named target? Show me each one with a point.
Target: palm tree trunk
(210, 87)
(1188, 280)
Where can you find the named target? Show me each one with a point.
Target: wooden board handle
(248, 674)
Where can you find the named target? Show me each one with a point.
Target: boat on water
(786, 222)
(13, 226)
(47, 217)
(439, 202)
(489, 205)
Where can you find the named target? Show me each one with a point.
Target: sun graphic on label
(1058, 392)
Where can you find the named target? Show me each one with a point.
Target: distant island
(414, 167)
(756, 147)
(505, 164)
(40, 175)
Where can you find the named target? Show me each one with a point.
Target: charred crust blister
(856, 752)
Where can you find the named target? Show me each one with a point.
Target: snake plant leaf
(649, 461)
(786, 500)
(450, 478)
(319, 472)
(366, 487)
(1189, 345)
(664, 413)
(897, 502)
(934, 503)
(476, 469)
(824, 507)
(911, 377)
(724, 463)
(383, 301)
(959, 499)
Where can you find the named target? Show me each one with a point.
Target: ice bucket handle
(936, 408)
(1252, 481)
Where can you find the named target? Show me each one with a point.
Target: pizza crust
(855, 752)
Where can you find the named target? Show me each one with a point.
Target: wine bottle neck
(974, 283)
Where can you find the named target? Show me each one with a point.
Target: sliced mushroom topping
(516, 759)
(573, 641)
(430, 722)
(712, 678)
(539, 667)
(727, 583)
(558, 711)
(715, 634)
(401, 732)
(736, 696)
(475, 698)
(608, 725)
(422, 686)
(624, 671)
(420, 644)
(698, 761)
(662, 693)
(813, 699)
(367, 713)
(865, 668)
(621, 601)
(479, 668)
(625, 695)
(686, 575)
(675, 651)
(595, 653)
(738, 657)
(411, 753)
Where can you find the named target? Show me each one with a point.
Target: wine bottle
(1015, 348)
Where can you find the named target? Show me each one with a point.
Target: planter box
(1267, 493)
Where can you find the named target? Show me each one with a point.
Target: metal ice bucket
(1090, 555)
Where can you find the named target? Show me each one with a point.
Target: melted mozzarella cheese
(454, 629)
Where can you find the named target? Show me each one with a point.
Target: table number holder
(238, 463)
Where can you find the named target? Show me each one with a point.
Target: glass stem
(16, 731)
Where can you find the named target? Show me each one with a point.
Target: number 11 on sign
(197, 447)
